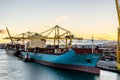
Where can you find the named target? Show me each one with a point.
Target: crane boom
(56, 33)
(9, 34)
(118, 9)
(118, 40)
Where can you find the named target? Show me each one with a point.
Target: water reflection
(107, 75)
(50, 73)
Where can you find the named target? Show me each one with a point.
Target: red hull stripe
(88, 69)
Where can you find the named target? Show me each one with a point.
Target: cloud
(2, 31)
(61, 18)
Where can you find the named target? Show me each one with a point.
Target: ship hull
(88, 69)
(13, 52)
(68, 60)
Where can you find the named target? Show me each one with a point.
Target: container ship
(60, 52)
(14, 49)
(64, 55)
(75, 59)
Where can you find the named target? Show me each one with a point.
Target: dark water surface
(13, 69)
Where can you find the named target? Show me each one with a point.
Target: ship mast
(92, 44)
(118, 38)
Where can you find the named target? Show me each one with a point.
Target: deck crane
(56, 33)
(118, 40)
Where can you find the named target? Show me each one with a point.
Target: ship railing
(87, 50)
(15, 46)
(56, 51)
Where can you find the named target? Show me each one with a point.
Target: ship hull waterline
(13, 52)
(68, 60)
(10, 51)
(88, 69)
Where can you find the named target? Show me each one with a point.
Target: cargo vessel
(59, 52)
(62, 55)
(75, 59)
(14, 49)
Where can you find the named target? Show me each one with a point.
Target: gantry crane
(118, 40)
(20, 37)
(56, 33)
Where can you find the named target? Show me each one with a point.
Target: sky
(84, 18)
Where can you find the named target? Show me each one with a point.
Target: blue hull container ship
(62, 54)
(69, 60)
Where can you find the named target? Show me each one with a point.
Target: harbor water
(11, 68)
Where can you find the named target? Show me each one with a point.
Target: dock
(108, 65)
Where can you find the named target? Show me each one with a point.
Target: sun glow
(83, 18)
